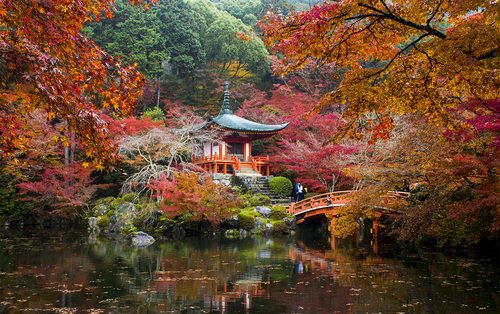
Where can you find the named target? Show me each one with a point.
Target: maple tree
(300, 146)
(452, 177)
(47, 64)
(156, 150)
(189, 195)
(59, 189)
(396, 57)
(52, 172)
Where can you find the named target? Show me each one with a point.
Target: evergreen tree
(164, 33)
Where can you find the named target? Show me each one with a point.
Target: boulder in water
(142, 239)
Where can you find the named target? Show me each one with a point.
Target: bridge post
(375, 235)
(331, 225)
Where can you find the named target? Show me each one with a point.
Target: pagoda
(233, 154)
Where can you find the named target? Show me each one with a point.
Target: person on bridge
(300, 193)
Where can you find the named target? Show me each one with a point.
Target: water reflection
(302, 274)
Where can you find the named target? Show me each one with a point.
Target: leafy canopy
(423, 56)
(46, 63)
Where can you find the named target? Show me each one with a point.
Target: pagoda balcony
(233, 164)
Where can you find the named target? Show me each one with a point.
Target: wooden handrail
(256, 160)
(334, 199)
(254, 163)
(326, 199)
(237, 163)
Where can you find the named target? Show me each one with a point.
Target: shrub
(156, 114)
(110, 213)
(252, 212)
(310, 194)
(10, 206)
(130, 198)
(103, 222)
(138, 221)
(279, 227)
(278, 213)
(281, 185)
(257, 199)
(106, 201)
(246, 221)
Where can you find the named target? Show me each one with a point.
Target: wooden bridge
(330, 205)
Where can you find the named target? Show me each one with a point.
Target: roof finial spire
(227, 108)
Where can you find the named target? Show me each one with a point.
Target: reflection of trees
(422, 283)
(235, 275)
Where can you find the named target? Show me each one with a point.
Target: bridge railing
(326, 199)
(337, 199)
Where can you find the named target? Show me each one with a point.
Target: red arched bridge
(330, 204)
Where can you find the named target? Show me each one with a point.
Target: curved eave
(233, 123)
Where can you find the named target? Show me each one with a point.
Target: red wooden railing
(322, 200)
(257, 163)
(213, 158)
(333, 199)
(237, 163)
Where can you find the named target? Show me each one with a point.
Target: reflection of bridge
(330, 205)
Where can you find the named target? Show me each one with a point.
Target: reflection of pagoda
(234, 153)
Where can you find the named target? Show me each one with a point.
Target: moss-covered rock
(106, 201)
(278, 213)
(103, 222)
(257, 199)
(246, 221)
(232, 233)
(130, 198)
(279, 227)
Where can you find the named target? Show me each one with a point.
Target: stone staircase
(260, 184)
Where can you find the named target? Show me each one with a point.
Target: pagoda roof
(228, 121)
(232, 122)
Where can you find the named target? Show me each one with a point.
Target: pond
(77, 273)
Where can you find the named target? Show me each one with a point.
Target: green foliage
(129, 230)
(103, 222)
(7, 194)
(278, 213)
(106, 201)
(279, 227)
(10, 206)
(130, 198)
(281, 185)
(232, 233)
(217, 34)
(257, 199)
(310, 194)
(155, 113)
(241, 8)
(140, 220)
(115, 203)
(246, 221)
(249, 211)
(164, 33)
(110, 213)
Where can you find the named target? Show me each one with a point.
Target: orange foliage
(48, 64)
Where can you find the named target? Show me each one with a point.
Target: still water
(75, 273)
